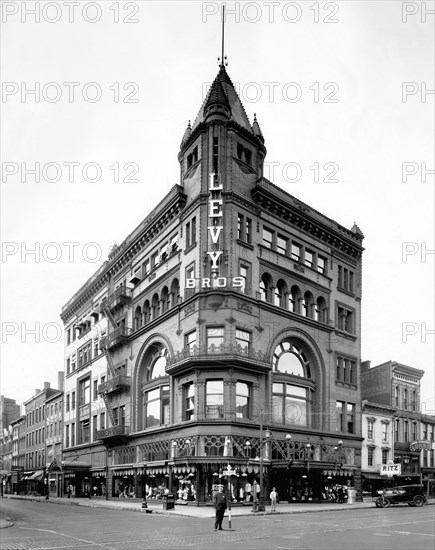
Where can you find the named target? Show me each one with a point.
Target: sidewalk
(156, 507)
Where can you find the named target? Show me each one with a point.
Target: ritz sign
(215, 213)
(390, 469)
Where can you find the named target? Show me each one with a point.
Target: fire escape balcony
(117, 299)
(113, 433)
(118, 382)
(117, 338)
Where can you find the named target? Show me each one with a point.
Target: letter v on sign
(215, 232)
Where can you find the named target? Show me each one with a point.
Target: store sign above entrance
(420, 446)
(390, 469)
(215, 214)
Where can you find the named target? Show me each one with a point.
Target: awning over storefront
(73, 465)
(372, 475)
(37, 476)
(338, 473)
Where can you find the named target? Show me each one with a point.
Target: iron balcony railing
(114, 431)
(118, 298)
(118, 382)
(117, 337)
(220, 351)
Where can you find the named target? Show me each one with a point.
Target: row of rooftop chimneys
(59, 383)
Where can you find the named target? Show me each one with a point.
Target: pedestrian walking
(273, 499)
(220, 504)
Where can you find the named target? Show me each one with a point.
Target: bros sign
(214, 230)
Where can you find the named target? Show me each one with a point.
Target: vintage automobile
(413, 495)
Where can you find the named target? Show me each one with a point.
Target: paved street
(41, 525)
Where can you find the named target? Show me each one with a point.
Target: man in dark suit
(220, 504)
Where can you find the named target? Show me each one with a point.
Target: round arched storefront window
(154, 386)
(291, 395)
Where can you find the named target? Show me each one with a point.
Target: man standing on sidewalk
(273, 498)
(220, 504)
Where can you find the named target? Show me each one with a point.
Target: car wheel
(386, 503)
(418, 501)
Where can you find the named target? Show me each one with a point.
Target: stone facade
(232, 308)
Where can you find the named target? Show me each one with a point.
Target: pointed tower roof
(256, 128)
(187, 133)
(222, 91)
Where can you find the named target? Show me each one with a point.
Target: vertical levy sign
(214, 230)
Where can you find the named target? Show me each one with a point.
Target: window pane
(295, 411)
(289, 362)
(159, 368)
(243, 338)
(153, 414)
(277, 408)
(214, 398)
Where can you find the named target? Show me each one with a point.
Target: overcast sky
(327, 83)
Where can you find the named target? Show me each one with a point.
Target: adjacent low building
(377, 446)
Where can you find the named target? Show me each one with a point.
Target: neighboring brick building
(18, 452)
(233, 304)
(427, 460)
(398, 386)
(34, 434)
(53, 441)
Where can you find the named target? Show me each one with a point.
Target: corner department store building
(233, 304)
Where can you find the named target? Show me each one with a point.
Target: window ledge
(245, 244)
(347, 292)
(189, 248)
(347, 335)
(346, 385)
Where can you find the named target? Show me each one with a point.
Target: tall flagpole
(223, 35)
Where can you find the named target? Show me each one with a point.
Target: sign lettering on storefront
(390, 469)
(215, 213)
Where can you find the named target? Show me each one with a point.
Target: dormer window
(244, 154)
(192, 158)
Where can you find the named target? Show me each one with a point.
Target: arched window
(165, 299)
(405, 399)
(155, 307)
(280, 295)
(265, 287)
(291, 359)
(320, 310)
(308, 305)
(137, 318)
(154, 387)
(294, 299)
(292, 385)
(175, 293)
(146, 312)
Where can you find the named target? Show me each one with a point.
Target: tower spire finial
(223, 59)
